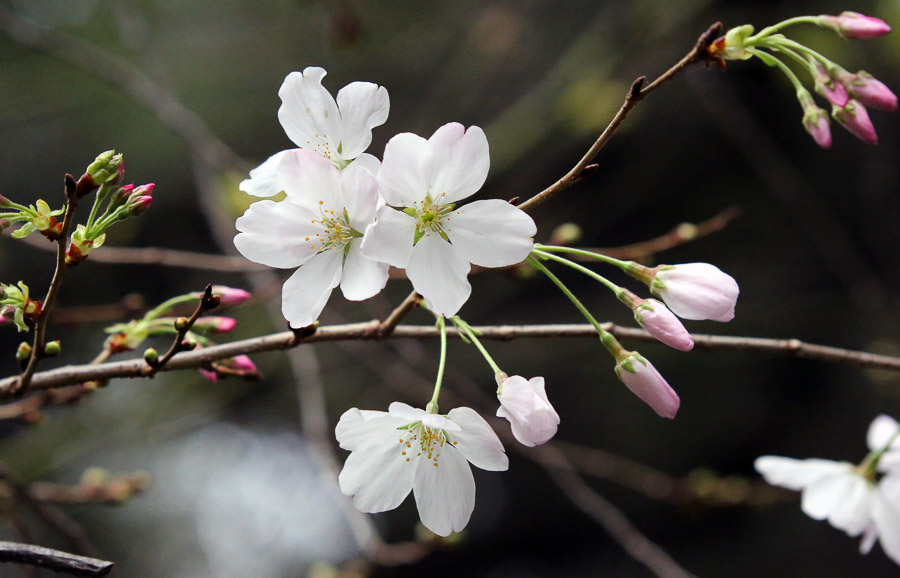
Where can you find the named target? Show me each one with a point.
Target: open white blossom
(424, 232)
(848, 496)
(407, 449)
(317, 227)
(338, 130)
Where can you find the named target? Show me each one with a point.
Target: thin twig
(55, 560)
(387, 326)
(182, 326)
(636, 93)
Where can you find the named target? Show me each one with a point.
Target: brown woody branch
(55, 560)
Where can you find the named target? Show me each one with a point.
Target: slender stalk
(433, 404)
(781, 25)
(581, 269)
(467, 330)
(624, 265)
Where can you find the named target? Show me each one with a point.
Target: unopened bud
(23, 353)
(214, 324)
(151, 356)
(4, 202)
(181, 324)
(868, 90)
(227, 295)
(188, 344)
(855, 118)
(139, 205)
(565, 234)
(52, 349)
(107, 169)
(854, 25)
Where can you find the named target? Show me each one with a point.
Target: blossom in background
(696, 291)
(407, 449)
(423, 231)
(524, 403)
(850, 497)
(644, 381)
(338, 130)
(317, 227)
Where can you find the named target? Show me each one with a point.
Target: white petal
(363, 106)
(355, 427)
(477, 441)
(377, 475)
(882, 429)
(359, 190)
(368, 162)
(306, 291)
(311, 181)
(308, 112)
(843, 499)
(886, 514)
(797, 474)
(491, 233)
(390, 238)
(890, 462)
(263, 181)
(461, 162)
(362, 277)
(405, 173)
(406, 412)
(445, 494)
(438, 272)
(524, 403)
(869, 537)
(274, 234)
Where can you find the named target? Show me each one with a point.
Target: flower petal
(406, 412)
(882, 429)
(477, 441)
(438, 272)
(263, 181)
(844, 499)
(797, 474)
(362, 277)
(461, 162)
(445, 493)
(390, 238)
(354, 430)
(359, 190)
(308, 112)
(363, 106)
(311, 181)
(524, 403)
(275, 234)
(405, 173)
(306, 291)
(491, 233)
(368, 162)
(886, 514)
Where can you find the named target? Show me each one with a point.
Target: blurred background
(243, 478)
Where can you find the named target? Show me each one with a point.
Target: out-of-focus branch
(74, 374)
(55, 560)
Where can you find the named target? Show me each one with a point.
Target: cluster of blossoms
(849, 94)
(859, 499)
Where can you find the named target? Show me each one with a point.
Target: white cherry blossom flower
(407, 449)
(696, 291)
(848, 496)
(317, 227)
(430, 237)
(339, 131)
(524, 403)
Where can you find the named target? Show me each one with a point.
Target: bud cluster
(18, 306)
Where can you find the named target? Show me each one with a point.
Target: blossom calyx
(854, 117)
(524, 403)
(695, 290)
(82, 245)
(107, 169)
(854, 25)
(644, 381)
(24, 308)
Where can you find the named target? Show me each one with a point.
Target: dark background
(238, 489)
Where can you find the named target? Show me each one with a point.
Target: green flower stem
(471, 335)
(783, 24)
(102, 192)
(776, 62)
(581, 269)
(432, 406)
(610, 342)
(787, 42)
(869, 466)
(624, 265)
(166, 305)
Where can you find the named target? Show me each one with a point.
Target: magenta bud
(644, 381)
(208, 375)
(227, 295)
(214, 324)
(868, 90)
(854, 25)
(855, 118)
(815, 121)
(662, 324)
(139, 205)
(144, 190)
(241, 363)
(833, 91)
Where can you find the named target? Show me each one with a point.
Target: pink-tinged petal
(663, 325)
(275, 234)
(376, 474)
(854, 25)
(798, 474)
(362, 277)
(363, 106)
(311, 181)
(390, 238)
(461, 162)
(644, 381)
(306, 291)
(367, 162)
(697, 291)
(353, 431)
(263, 181)
(524, 403)
(359, 190)
(477, 441)
(308, 113)
(490, 233)
(438, 273)
(855, 118)
(405, 174)
(883, 430)
(445, 493)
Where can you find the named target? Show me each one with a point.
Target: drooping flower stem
(432, 406)
(471, 335)
(776, 62)
(767, 31)
(581, 269)
(624, 265)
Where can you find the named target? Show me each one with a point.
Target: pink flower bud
(214, 324)
(144, 190)
(644, 381)
(854, 25)
(833, 91)
(139, 205)
(696, 291)
(815, 121)
(208, 375)
(662, 324)
(241, 363)
(855, 118)
(227, 295)
(524, 403)
(868, 90)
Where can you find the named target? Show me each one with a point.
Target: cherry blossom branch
(636, 93)
(182, 326)
(40, 325)
(55, 560)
